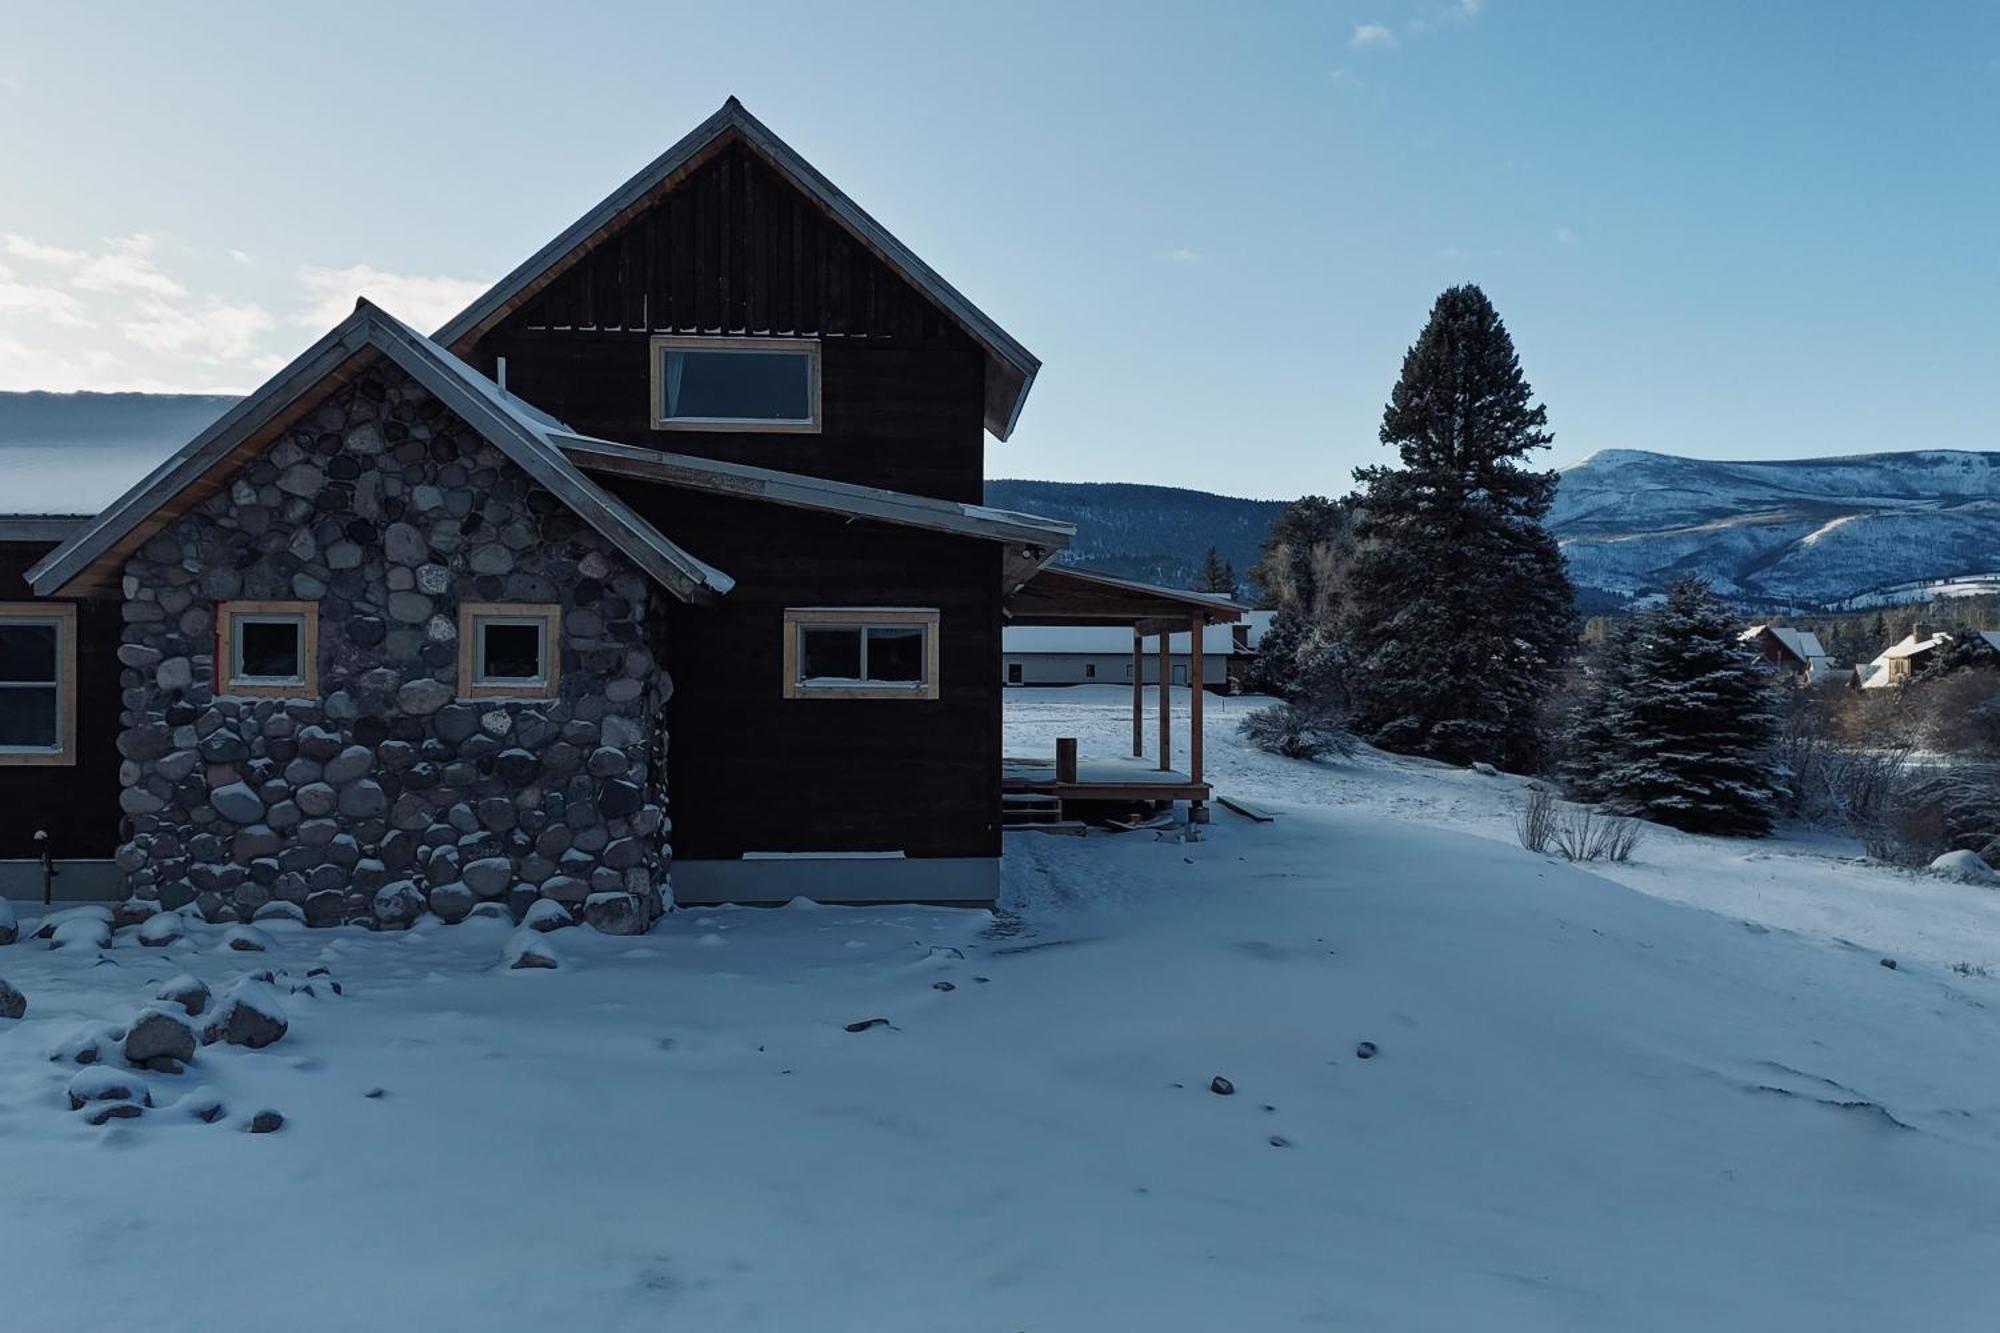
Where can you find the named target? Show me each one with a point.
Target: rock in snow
(527, 949)
(546, 914)
(246, 939)
(1964, 866)
(10, 928)
(189, 992)
(13, 1004)
(162, 929)
(266, 1122)
(83, 932)
(99, 1083)
(157, 1034)
(248, 1015)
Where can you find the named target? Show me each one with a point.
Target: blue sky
(1720, 229)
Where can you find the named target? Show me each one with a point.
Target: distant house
(1090, 654)
(1902, 660)
(1796, 652)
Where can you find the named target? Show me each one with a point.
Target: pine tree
(1216, 575)
(1688, 727)
(1459, 612)
(1598, 675)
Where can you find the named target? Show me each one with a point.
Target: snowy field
(1690, 1099)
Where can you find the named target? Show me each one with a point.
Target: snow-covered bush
(1297, 731)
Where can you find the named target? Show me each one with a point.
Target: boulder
(489, 876)
(248, 1015)
(246, 939)
(10, 926)
(266, 1122)
(100, 1083)
(161, 929)
(451, 902)
(133, 911)
(615, 914)
(1966, 867)
(189, 992)
(158, 1034)
(399, 903)
(280, 910)
(83, 932)
(546, 914)
(527, 949)
(327, 907)
(348, 765)
(13, 1004)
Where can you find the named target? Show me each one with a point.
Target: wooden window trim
(226, 615)
(657, 410)
(63, 614)
(471, 614)
(799, 617)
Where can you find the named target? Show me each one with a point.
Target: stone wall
(386, 795)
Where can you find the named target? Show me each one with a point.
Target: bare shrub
(1840, 758)
(1938, 810)
(1535, 826)
(1575, 833)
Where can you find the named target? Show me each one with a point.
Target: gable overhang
(1030, 541)
(92, 560)
(1062, 596)
(1010, 367)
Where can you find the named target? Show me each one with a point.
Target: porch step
(1029, 810)
(1074, 828)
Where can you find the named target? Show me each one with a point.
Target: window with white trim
(861, 653)
(268, 648)
(509, 650)
(763, 384)
(37, 683)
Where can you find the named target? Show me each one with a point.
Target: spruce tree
(1459, 613)
(1589, 745)
(1689, 724)
(1216, 575)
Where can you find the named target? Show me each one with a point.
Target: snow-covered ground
(1704, 1104)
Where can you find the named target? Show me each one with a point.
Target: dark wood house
(659, 574)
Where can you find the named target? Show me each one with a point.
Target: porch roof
(1063, 596)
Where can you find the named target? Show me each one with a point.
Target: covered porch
(1035, 786)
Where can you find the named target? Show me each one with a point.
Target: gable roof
(1800, 643)
(93, 556)
(1032, 541)
(1010, 367)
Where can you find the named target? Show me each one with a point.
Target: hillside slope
(1808, 532)
(1156, 534)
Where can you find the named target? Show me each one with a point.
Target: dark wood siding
(77, 805)
(734, 249)
(749, 770)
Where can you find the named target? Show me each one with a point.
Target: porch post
(1166, 701)
(1138, 693)
(1194, 701)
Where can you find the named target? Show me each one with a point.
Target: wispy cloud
(240, 256)
(1343, 77)
(39, 300)
(215, 331)
(1566, 236)
(422, 302)
(1181, 254)
(1372, 36)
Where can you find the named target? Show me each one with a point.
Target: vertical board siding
(77, 804)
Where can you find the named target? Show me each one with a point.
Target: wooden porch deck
(1098, 779)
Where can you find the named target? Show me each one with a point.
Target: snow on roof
(75, 478)
(1110, 640)
(1802, 644)
(1911, 645)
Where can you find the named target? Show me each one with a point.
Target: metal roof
(1006, 360)
(497, 416)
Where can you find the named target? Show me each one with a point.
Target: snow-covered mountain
(1810, 532)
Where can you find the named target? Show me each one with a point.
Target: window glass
(268, 649)
(896, 653)
(27, 652)
(29, 717)
(511, 651)
(735, 384)
(829, 653)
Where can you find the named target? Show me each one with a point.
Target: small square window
(763, 384)
(268, 648)
(861, 653)
(37, 683)
(509, 651)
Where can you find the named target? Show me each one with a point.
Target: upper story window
(761, 384)
(268, 648)
(509, 650)
(861, 653)
(37, 683)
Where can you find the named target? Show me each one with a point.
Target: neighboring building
(1902, 660)
(1795, 652)
(1089, 655)
(657, 574)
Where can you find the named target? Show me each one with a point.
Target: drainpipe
(49, 871)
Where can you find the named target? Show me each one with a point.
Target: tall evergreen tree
(1300, 572)
(1687, 729)
(1216, 575)
(1459, 612)
(1598, 675)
